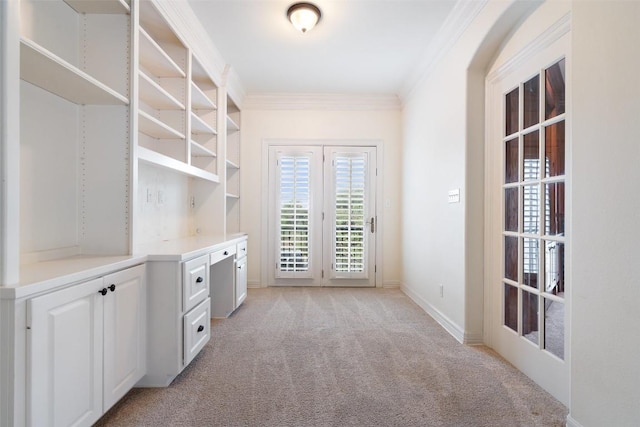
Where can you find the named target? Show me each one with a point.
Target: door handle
(372, 224)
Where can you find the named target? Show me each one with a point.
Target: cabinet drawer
(195, 282)
(221, 254)
(197, 330)
(242, 249)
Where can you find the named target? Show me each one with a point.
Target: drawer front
(242, 249)
(222, 254)
(197, 330)
(195, 282)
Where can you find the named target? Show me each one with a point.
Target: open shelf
(157, 159)
(232, 126)
(155, 59)
(232, 165)
(156, 96)
(42, 68)
(153, 127)
(198, 150)
(233, 196)
(106, 7)
(199, 100)
(200, 127)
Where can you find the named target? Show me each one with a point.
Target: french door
(322, 223)
(527, 225)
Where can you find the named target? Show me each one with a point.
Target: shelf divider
(156, 96)
(157, 159)
(42, 68)
(100, 7)
(155, 59)
(153, 127)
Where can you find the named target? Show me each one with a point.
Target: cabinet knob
(200, 328)
(103, 291)
(112, 288)
(199, 279)
(226, 253)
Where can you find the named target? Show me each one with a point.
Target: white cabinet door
(124, 332)
(241, 280)
(65, 356)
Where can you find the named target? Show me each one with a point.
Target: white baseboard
(456, 331)
(572, 423)
(391, 284)
(253, 284)
(473, 339)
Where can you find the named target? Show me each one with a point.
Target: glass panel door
(322, 221)
(295, 216)
(533, 229)
(350, 226)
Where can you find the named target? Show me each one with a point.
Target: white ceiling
(359, 46)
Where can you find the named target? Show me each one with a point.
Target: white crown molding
(462, 15)
(235, 90)
(186, 23)
(320, 101)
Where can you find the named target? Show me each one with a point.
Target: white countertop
(46, 276)
(188, 247)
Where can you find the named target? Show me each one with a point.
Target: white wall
(165, 214)
(259, 125)
(605, 335)
(443, 145)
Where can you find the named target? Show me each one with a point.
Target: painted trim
(9, 143)
(463, 14)
(254, 284)
(473, 339)
(571, 422)
(391, 284)
(456, 331)
(320, 101)
(543, 41)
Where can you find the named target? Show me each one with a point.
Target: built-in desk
(190, 280)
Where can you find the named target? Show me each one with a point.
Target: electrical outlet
(149, 195)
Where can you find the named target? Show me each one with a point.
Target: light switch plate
(454, 196)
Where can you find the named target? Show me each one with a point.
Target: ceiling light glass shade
(304, 16)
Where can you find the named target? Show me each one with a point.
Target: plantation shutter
(351, 215)
(294, 206)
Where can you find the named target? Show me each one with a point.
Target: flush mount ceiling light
(304, 16)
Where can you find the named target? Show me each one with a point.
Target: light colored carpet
(339, 357)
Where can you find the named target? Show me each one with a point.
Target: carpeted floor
(339, 357)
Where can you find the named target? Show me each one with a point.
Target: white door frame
(553, 378)
(266, 215)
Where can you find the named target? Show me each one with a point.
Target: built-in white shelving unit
(177, 115)
(119, 140)
(232, 167)
(75, 129)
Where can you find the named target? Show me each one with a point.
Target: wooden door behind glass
(534, 235)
